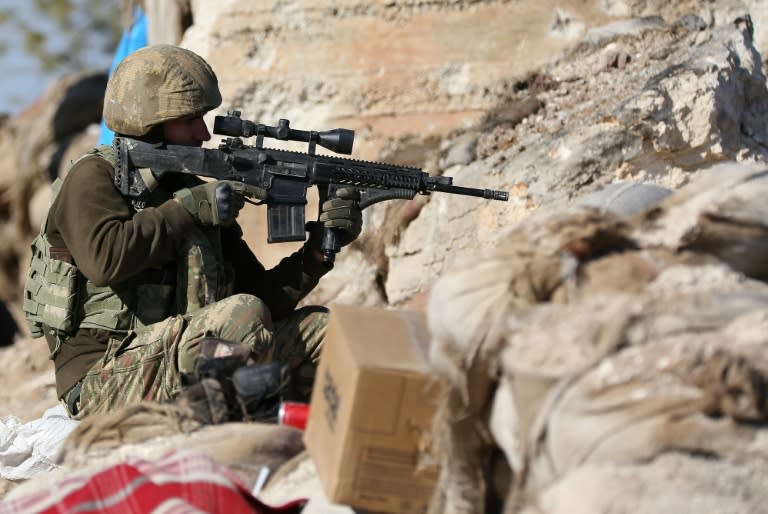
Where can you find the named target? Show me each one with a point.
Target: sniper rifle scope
(337, 140)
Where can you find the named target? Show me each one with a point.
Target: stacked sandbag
(614, 363)
(152, 431)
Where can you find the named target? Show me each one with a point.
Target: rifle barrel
(488, 194)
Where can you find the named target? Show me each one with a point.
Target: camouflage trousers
(149, 362)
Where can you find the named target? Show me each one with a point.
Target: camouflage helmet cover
(156, 84)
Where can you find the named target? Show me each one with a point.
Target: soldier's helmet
(156, 84)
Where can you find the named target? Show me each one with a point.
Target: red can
(293, 414)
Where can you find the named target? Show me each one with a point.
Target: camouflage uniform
(124, 291)
(148, 364)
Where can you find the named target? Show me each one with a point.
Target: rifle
(284, 174)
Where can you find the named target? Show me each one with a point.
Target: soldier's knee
(313, 323)
(247, 310)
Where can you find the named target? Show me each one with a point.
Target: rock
(67, 107)
(625, 198)
(697, 112)
(651, 127)
(33, 146)
(366, 59)
(460, 151)
(600, 36)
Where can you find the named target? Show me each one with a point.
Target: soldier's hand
(217, 202)
(343, 212)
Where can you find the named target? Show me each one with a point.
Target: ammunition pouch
(51, 290)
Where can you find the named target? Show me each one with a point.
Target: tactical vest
(57, 297)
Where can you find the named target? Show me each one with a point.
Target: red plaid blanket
(181, 483)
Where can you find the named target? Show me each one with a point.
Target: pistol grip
(330, 246)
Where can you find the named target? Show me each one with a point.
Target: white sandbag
(28, 449)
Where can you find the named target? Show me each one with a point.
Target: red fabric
(183, 482)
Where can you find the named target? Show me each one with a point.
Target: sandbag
(589, 341)
(150, 430)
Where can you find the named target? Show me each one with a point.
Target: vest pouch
(202, 277)
(33, 309)
(58, 295)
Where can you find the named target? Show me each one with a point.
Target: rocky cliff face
(543, 99)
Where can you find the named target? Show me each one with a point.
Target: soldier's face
(186, 131)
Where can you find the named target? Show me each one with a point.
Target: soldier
(140, 299)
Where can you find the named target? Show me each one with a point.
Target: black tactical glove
(259, 389)
(343, 213)
(217, 202)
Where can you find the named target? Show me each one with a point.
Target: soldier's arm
(107, 241)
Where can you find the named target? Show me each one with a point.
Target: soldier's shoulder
(96, 164)
(105, 153)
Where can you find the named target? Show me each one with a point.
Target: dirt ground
(27, 386)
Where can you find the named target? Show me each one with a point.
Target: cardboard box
(371, 410)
